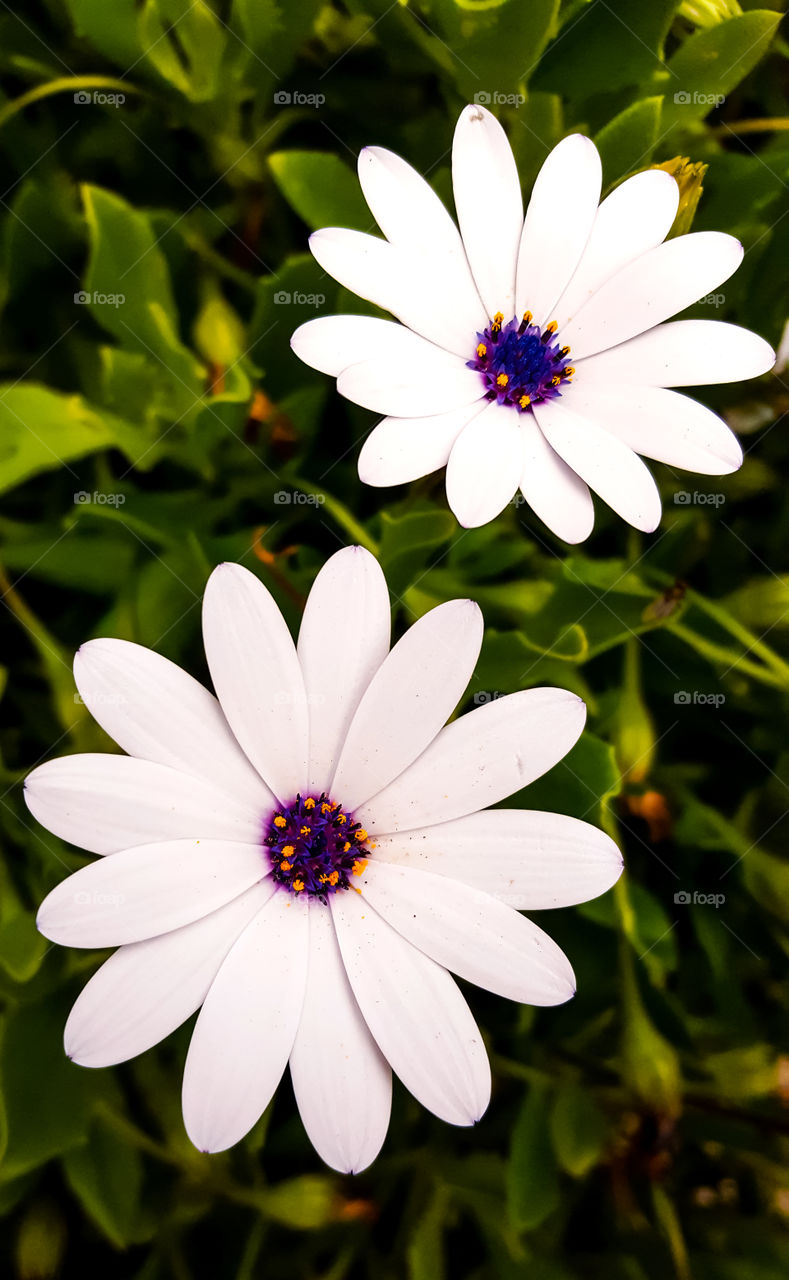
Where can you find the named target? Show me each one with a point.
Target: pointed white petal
(103, 803)
(140, 893)
(409, 699)
(147, 989)
(416, 1014)
(333, 343)
(342, 1082)
(403, 449)
(343, 640)
(528, 859)
(428, 382)
(685, 353)
(489, 206)
(154, 710)
(552, 489)
(661, 424)
(485, 465)
(653, 287)
(470, 933)
(246, 1028)
(479, 759)
(609, 468)
(637, 216)
(418, 289)
(558, 223)
(257, 677)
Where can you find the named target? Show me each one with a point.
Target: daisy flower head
(531, 352)
(305, 857)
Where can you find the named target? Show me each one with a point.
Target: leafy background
(641, 1131)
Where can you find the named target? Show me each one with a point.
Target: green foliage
(164, 163)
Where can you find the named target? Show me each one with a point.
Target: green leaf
(606, 47)
(626, 143)
(22, 947)
(106, 1175)
(491, 48)
(581, 784)
(304, 1204)
(532, 1175)
(710, 64)
(112, 29)
(426, 1259)
(578, 1129)
(185, 42)
(322, 188)
(410, 540)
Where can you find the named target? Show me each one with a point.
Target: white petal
(343, 640)
(415, 1012)
(246, 1028)
(637, 216)
(147, 989)
(140, 893)
(653, 287)
(489, 206)
(470, 933)
(103, 803)
(416, 288)
(485, 465)
(332, 343)
(661, 424)
(411, 216)
(342, 1082)
(558, 222)
(403, 449)
(552, 489)
(479, 759)
(257, 677)
(409, 699)
(429, 382)
(528, 859)
(609, 468)
(685, 353)
(154, 710)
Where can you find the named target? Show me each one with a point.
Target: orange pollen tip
(333, 877)
(304, 831)
(359, 866)
(309, 803)
(288, 850)
(482, 350)
(286, 866)
(524, 402)
(279, 821)
(346, 846)
(552, 327)
(503, 379)
(341, 818)
(565, 351)
(297, 886)
(527, 317)
(569, 371)
(361, 834)
(325, 808)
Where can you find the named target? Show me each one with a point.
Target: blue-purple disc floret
(314, 847)
(521, 365)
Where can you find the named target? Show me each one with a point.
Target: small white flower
(532, 353)
(307, 856)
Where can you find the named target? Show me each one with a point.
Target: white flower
(531, 354)
(309, 855)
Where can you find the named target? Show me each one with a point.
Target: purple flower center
(520, 364)
(314, 847)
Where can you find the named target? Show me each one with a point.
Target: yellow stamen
(482, 350)
(555, 380)
(361, 834)
(498, 321)
(333, 877)
(569, 371)
(286, 866)
(325, 808)
(359, 866)
(527, 317)
(346, 846)
(288, 851)
(297, 886)
(552, 327)
(279, 821)
(304, 831)
(524, 402)
(309, 803)
(502, 379)
(565, 351)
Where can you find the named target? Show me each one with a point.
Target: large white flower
(309, 855)
(532, 353)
